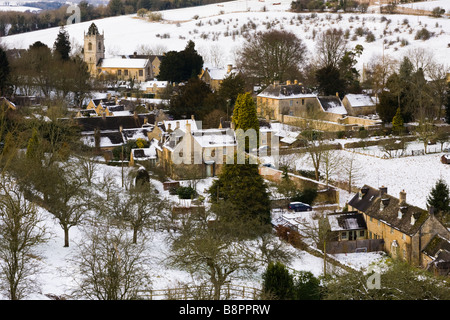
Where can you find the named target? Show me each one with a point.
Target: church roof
(123, 63)
(92, 30)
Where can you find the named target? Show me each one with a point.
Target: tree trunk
(66, 236)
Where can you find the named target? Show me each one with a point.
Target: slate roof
(114, 122)
(370, 203)
(332, 104)
(436, 246)
(347, 221)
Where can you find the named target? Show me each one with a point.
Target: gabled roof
(360, 100)
(436, 246)
(369, 199)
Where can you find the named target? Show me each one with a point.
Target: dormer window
(400, 214)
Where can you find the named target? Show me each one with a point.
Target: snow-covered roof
(153, 84)
(332, 104)
(144, 153)
(219, 73)
(123, 63)
(359, 100)
(181, 123)
(346, 221)
(214, 138)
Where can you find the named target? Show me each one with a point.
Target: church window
(89, 46)
(99, 46)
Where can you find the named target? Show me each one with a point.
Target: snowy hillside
(218, 30)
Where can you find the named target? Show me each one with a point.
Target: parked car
(299, 206)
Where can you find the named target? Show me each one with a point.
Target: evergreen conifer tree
(246, 119)
(439, 197)
(62, 44)
(397, 121)
(278, 281)
(242, 186)
(4, 71)
(33, 145)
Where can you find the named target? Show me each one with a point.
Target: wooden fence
(228, 292)
(351, 246)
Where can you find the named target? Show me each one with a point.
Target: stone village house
(293, 103)
(408, 231)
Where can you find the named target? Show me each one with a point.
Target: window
(344, 235)
(99, 45)
(224, 151)
(141, 73)
(392, 230)
(89, 46)
(303, 102)
(125, 72)
(119, 72)
(361, 233)
(291, 102)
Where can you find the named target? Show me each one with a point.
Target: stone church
(139, 68)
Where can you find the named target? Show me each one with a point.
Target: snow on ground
(428, 5)
(58, 273)
(218, 30)
(417, 175)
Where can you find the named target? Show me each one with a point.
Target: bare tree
(272, 55)
(330, 47)
(109, 266)
(66, 199)
(213, 249)
(351, 169)
(331, 161)
(21, 231)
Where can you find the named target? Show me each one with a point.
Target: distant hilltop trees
(54, 14)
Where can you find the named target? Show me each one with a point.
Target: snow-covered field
(416, 175)
(428, 5)
(218, 31)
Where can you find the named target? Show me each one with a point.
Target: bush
(308, 195)
(186, 193)
(370, 37)
(306, 286)
(277, 281)
(154, 16)
(437, 12)
(422, 34)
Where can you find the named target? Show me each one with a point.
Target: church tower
(94, 48)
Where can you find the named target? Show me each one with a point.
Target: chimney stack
(402, 197)
(383, 190)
